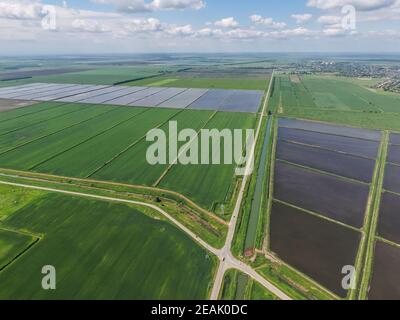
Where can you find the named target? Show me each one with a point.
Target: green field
(132, 166)
(209, 185)
(209, 83)
(108, 143)
(386, 121)
(90, 156)
(70, 117)
(330, 93)
(104, 75)
(12, 244)
(12, 199)
(339, 100)
(38, 151)
(101, 250)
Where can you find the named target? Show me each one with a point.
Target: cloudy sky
(130, 26)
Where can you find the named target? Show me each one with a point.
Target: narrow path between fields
(227, 260)
(220, 253)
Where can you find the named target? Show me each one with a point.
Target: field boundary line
(260, 175)
(318, 215)
(392, 243)
(188, 144)
(235, 264)
(327, 149)
(367, 222)
(55, 132)
(370, 247)
(132, 104)
(124, 95)
(175, 95)
(329, 134)
(203, 243)
(314, 170)
(267, 240)
(21, 232)
(20, 254)
(137, 141)
(276, 259)
(226, 261)
(33, 175)
(30, 113)
(43, 121)
(87, 139)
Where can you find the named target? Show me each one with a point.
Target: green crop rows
(100, 250)
(109, 143)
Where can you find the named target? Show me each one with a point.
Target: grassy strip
(367, 224)
(266, 244)
(294, 283)
(255, 218)
(238, 286)
(372, 226)
(238, 245)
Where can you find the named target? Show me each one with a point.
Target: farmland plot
(86, 158)
(24, 112)
(331, 129)
(25, 135)
(132, 166)
(315, 246)
(37, 152)
(338, 199)
(330, 161)
(55, 111)
(394, 154)
(322, 184)
(11, 245)
(6, 105)
(392, 178)
(351, 95)
(385, 283)
(103, 250)
(389, 217)
(208, 184)
(344, 144)
(395, 138)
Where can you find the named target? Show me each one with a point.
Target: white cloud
(301, 18)
(296, 32)
(227, 23)
(334, 32)
(329, 20)
(89, 26)
(178, 4)
(21, 10)
(362, 5)
(145, 6)
(259, 20)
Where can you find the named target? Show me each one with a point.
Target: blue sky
(105, 26)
